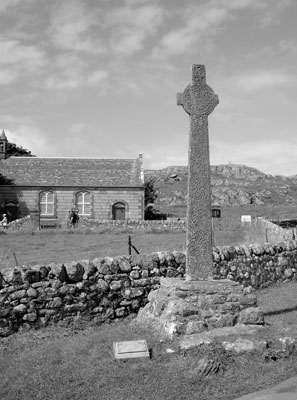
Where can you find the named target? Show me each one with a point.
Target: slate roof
(39, 171)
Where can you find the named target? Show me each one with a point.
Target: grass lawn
(61, 245)
(78, 363)
(46, 246)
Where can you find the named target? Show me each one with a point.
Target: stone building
(101, 189)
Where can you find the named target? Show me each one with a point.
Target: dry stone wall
(111, 288)
(256, 265)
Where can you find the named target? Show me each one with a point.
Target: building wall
(102, 200)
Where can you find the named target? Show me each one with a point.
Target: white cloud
(97, 77)
(132, 25)
(7, 76)
(195, 23)
(18, 60)
(270, 156)
(70, 28)
(21, 56)
(66, 72)
(262, 80)
(273, 12)
(78, 127)
(5, 5)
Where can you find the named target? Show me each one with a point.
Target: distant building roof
(51, 171)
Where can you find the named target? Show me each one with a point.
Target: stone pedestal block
(187, 307)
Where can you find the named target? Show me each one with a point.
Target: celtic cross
(198, 100)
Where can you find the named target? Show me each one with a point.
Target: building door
(118, 211)
(11, 209)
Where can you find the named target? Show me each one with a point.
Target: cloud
(7, 77)
(70, 28)
(18, 60)
(270, 156)
(97, 77)
(67, 71)
(13, 52)
(198, 21)
(5, 5)
(263, 80)
(195, 23)
(272, 14)
(78, 127)
(132, 25)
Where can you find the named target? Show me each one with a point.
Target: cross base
(183, 307)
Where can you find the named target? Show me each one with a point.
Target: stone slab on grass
(130, 349)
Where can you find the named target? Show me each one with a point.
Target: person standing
(4, 221)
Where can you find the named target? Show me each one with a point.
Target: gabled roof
(51, 171)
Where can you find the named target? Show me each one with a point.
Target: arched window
(83, 203)
(118, 210)
(46, 203)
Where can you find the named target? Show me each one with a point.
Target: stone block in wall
(89, 268)
(4, 311)
(101, 266)
(134, 274)
(42, 269)
(124, 264)
(32, 293)
(30, 317)
(58, 271)
(13, 276)
(251, 316)
(19, 294)
(20, 309)
(115, 285)
(113, 264)
(32, 275)
(75, 271)
(248, 300)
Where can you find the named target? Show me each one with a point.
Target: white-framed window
(46, 203)
(83, 203)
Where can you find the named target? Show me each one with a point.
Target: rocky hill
(232, 185)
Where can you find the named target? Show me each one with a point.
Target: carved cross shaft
(198, 100)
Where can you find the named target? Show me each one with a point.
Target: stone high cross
(198, 100)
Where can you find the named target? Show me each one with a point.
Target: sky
(99, 78)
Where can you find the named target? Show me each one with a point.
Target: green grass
(57, 245)
(73, 363)
(48, 245)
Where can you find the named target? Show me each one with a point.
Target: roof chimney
(141, 167)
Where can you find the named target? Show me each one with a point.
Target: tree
(17, 151)
(150, 191)
(150, 196)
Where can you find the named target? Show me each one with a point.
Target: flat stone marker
(198, 100)
(130, 349)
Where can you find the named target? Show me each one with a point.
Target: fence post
(15, 259)
(129, 245)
